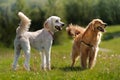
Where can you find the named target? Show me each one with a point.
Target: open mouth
(101, 29)
(58, 28)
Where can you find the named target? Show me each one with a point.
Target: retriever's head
(53, 24)
(98, 25)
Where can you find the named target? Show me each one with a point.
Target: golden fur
(86, 43)
(74, 30)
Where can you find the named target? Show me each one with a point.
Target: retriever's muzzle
(102, 27)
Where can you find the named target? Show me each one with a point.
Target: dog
(86, 43)
(41, 40)
(74, 30)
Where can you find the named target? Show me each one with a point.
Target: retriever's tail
(74, 30)
(24, 24)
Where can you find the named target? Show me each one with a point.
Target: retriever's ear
(91, 25)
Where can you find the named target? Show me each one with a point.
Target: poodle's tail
(24, 24)
(74, 30)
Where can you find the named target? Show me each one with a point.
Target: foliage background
(79, 12)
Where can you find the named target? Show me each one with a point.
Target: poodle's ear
(46, 24)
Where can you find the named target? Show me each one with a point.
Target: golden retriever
(86, 43)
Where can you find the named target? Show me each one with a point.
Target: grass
(106, 68)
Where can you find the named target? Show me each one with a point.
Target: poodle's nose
(63, 24)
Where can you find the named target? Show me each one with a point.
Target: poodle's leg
(48, 55)
(26, 49)
(16, 56)
(48, 60)
(43, 60)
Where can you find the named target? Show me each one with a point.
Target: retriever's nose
(106, 24)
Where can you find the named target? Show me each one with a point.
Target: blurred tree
(38, 17)
(109, 11)
(6, 23)
(79, 12)
(72, 13)
(114, 11)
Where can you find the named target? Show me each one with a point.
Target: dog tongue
(100, 29)
(58, 28)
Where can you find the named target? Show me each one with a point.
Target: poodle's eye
(56, 21)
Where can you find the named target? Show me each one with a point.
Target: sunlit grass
(106, 68)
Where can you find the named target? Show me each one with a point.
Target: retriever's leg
(92, 58)
(16, 56)
(74, 57)
(75, 53)
(84, 56)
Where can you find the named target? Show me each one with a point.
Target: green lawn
(106, 68)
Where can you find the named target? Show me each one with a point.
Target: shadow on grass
(109, 36)
(68, 69)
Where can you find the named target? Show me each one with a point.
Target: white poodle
(41, 40)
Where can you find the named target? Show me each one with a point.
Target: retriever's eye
(56, 21)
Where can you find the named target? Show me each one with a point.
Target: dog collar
(51, 34)
(87, 44)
